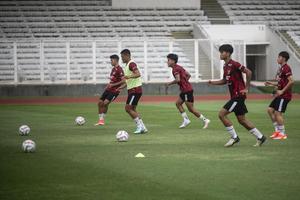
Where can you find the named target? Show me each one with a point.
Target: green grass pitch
(73, 162)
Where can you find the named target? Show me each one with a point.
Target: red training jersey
(234, 78)
(136, 90)
(282, 77)
(184, 84)
(116, 75)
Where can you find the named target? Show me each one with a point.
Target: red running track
(144, 99)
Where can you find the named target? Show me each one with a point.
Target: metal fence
(87, 61)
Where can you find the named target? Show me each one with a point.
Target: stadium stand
(88, 19)
(281, 16)
(215, 12)
(60, 61)
(78, 37)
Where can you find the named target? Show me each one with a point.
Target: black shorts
(110, 96)
(279, 104)
(133, 99)
(187, 96)
(237, 106)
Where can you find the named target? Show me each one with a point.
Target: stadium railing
(87, 61)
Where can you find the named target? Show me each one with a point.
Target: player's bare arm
(270, 83)
(188, 75)
(287, 87)
(218, 82)
(136, 74)
(248, 73)
(109, 85)
(122, 86)
(115, 84)
(177, 80)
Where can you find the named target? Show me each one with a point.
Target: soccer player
(238, 90)
(186, 96)
(133, 81)
(111, 90)
(283, 95)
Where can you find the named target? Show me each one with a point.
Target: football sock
(275, 126)
(101, 116)
(202, 117)
(142, 123)
(184, 116)
(256, 132)
(231, 131)
(137, 121)
(281, 129)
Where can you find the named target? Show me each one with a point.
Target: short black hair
(285, 55)
(173, 56)
(227, 48)
(114, 56)
(125, 51)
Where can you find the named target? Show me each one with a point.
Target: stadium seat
(279, 15)
(55, 22)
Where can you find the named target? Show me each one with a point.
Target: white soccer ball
(79, 120)
(24, 130)
(122, 136)
(28, 146)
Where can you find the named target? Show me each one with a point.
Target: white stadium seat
(279, 15)
(55, 22)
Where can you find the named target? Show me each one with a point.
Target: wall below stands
(248, 33)
(155, 3)
(92, 89)
(261, 36)
(275, 47)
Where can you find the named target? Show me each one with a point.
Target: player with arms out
(111, 90)
(133, 81)
(283, 95)
(186, 96)
(238, 90)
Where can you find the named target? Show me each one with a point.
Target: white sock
(256, 132)
(184, 116)
(142, 124)
(231, 131)
(275, 126)
(101, 116)
(137, 121)
(202, 117)
(281, 129)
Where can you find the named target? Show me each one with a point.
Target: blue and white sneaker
(185, 123)
(206, 122)
(232, 141)
(141, 130)
(144, 130)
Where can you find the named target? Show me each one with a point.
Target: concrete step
(213, 9)
(291, 41)
(182, 35)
